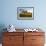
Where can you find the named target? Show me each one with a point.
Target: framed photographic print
(25, 13)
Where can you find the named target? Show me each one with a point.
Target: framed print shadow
(25, 13)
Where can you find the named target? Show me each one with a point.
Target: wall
(8, 13)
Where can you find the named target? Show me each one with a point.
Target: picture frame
(25, 13)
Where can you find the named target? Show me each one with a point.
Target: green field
(25, 14)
